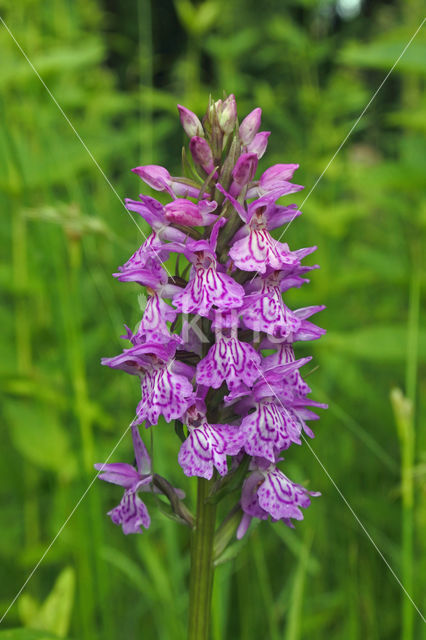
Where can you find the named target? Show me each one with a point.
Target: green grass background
(118, 69)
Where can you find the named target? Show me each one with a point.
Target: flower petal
(131, 513)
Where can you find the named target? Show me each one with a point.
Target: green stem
(408, 447)
(202, 569)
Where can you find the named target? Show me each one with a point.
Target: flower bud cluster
(214, 347)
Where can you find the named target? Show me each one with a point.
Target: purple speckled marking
(207, 446)
(269, 429)
(266, 311)
(281, 497)
(208, 287)
(131, 513)
(230, 360)
(153, 325)
(259, 250)
(163, 393)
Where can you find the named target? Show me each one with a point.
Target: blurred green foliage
(117, 70)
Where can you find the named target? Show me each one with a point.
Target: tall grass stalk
(404, 411)
(407, 435)
(295, 614)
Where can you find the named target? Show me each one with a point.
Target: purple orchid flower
(276, 177)
(190, 122)
(184, 211)
(272, 426)
(131, 513)
(165, 382)
(228, 359)
(207, 445)
(268, 492)
(236, 407)
(208, 285)
(254, 249)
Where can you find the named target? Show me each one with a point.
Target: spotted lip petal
(206, 448)
(131, 513)
(230, 360)
(163, 393)
(266, 311)
(207, 288)
(258, 251)
(269, 429)
(153, 325)
(281, 497)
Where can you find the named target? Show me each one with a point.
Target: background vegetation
(118, 70)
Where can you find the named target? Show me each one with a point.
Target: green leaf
(26, 634)
(127, 566)
(383, 53)
(381, 343)
(17, 70)
(55, 613)
(39, 436)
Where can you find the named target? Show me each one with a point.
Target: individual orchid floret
(155, 176)
(265, 310)
(207, 445)
(154, 214)
(208, 286)
(159, 178)
(228, 359)
(259, 144)
(268, 492)
(153, 326)
(202, 153)
(272, 426)
(250, 126)
(269, 429)
(165, 382)
(131, 513)
(150, 255)
(254, 249)
(276, 177)
(188, 213)
(284, 354)
(190, 122)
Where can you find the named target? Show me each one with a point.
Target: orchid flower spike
(213, 350)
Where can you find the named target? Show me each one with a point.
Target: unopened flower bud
(245, 169)
(155, 176)
(182, 211)
(190, 122)
(201, 153)
(228, 114)
(259, 143)
(250, 126)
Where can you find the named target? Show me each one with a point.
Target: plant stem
(201, 577)
(408, 447)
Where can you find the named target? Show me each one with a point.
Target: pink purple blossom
(213, 349)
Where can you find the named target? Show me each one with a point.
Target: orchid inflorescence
(214, 348)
